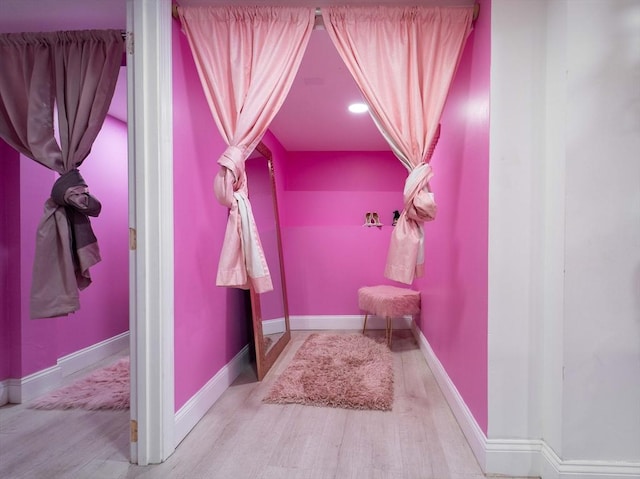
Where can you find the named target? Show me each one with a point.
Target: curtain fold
(75, 72)
(247, 58)
(403, 59)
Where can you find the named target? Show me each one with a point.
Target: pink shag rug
(345, 371)
(106, 388)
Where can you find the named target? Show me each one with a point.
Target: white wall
(601, 405)
(516, 152)
(564, 237)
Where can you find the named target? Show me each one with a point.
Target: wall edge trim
(470, 428)
(79, 360)
(534, 457)
(29, 387)
(20, 390)
(4, 392)
(197, 406)
(272, 326)
(516, 457)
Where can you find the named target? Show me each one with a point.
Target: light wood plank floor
(240, 437)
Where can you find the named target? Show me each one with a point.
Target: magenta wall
(454, 288)
(329, 253)
(104, 313)
(9, 260)
(211, 324)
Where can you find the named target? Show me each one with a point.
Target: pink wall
(329, 253)
(104, 313)
(9, 260)
(454, 288)
(38, 340)
(211, 324)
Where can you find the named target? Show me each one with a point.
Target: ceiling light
(358, 108)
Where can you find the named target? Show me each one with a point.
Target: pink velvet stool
(388, 302)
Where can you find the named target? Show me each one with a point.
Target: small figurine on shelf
(396, 217)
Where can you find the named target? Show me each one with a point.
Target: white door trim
(151, 196)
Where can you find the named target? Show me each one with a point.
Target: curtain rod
(476, 11)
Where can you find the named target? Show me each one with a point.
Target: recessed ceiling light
(358, 108)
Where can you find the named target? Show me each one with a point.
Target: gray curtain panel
(75, 72)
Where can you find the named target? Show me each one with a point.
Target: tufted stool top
(389, 301)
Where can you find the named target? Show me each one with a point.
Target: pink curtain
(77, 72)
(247, 58)
(403, 59)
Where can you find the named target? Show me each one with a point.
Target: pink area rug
(337, 370)
(106, 388)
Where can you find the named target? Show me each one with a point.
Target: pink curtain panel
(247, 58)
(403, 60)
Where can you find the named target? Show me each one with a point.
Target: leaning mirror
(269, 311)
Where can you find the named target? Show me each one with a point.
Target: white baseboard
(516, 457)
(34, 385)
(79, 360)
(39, 383)
(345, 322)
(475, 436)
(4, 392)
(585, 469)
(273, 326)
(198, 405)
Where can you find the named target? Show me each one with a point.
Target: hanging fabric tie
(407, 243)
(242, 256)
(247, 58)
(75, 71)
(407, 239)
(419, 48)
(71, 192)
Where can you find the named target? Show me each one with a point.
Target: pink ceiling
(313, 118)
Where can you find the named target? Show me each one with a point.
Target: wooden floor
(240, 437)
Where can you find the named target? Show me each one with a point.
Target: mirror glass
(270, 315)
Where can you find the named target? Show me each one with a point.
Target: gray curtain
(76, 72)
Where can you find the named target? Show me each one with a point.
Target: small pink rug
(106, 388)
(345, 371)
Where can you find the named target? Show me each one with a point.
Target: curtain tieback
(233, 160)
(419, 203)
(71, 190)
(231, 176)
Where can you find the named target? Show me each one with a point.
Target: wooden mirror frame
(266, 359)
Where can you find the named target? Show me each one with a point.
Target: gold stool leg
(365, 322)
(389, 332)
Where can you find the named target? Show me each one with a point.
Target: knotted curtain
(75, 71)
(247, 58)
(403, 59)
